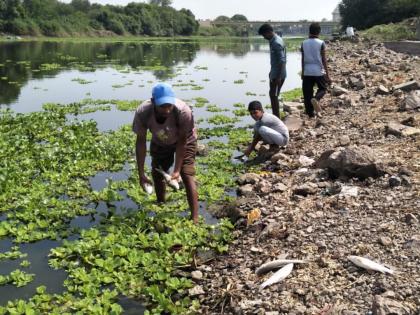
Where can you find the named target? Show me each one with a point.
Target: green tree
(161, 3)
(239, 18)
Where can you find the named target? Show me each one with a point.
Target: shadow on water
(44, 274)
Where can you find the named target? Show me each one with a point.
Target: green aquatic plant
(81, 81)
(240, 112)
(222, 120)
(240, 81)
(49, 67)
(292, 95)
(215, 109)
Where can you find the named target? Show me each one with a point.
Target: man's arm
(141, 156)
(179, 153)
(252, 145)
(324, 63)
(302, 63)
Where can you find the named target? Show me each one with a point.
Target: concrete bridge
(285, 27)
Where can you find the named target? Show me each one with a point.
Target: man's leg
(275, 88)
(307, 89)
(272, 137)
(161, 157)
(188, 177)
(322, 87)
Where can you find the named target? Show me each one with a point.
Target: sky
(261, 10)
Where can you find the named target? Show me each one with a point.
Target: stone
(394, 181)
(293, 107)
(306, 189)
(337, 91)
(202, 149)
(246, 190)
(414, 244)
(279, 187)
(196, 275)
(351, 162)
(279, 157)
(305, 161)
(344, 140)
(399, 130)
(387, 306)
(293, 123)
(349, 191)
(197, 290)
(249, 178)
(263, 186)
(382, 90)
(407, 86)
(385, 241)
(411, 101)
(411, 219)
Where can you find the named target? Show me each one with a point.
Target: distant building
(336, 17)
(205, 23)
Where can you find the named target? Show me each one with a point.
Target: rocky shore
(347, 184)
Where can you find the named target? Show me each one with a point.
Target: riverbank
(307, 213)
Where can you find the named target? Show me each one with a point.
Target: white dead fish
(277, 264)
(168, 179)
(278, 276)
(148, 188)
(369, 264)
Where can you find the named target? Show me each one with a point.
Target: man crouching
(171, 123)
(268, 128)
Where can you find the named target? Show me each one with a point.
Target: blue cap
(163, 94)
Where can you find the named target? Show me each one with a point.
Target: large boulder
(399, 130)
(351, 162)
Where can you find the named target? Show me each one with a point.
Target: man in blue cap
(171, 123)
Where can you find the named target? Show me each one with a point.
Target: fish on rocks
(278, 276)
(264, 268)
(148, 188)
(168, 179)
(368, 264)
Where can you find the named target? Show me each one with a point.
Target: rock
(305, 161)
(414, 244)
(202, 149)
(279, 187)
(293, 107)
(381, 90)
(399, 130)
(196, 275)
(293, 123)
(274, 230)
(411, 219)
(263, 186)
(337, 91)
(306, 189)
(407, 86)
(351, 162)
(411, 101)
(387, 306)
(246, 190)
(249, 178)
(384, 240)
(349, 191)
(394, 181)
(344, 140)
(279, 157)
(357, 84)
(225, 209)
(197, 290)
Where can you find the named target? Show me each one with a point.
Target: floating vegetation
(201, 68)
(81, 81)
(222, 120)
(49, 66)
(215, 109)
(128, 252)
(126, 105)
(250, 94)
(239, 105)
(240, 81)
(240, 112)
(66, 57)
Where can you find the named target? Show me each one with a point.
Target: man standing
(171, 123)
(314, 70)
(278, 65)
(268, 128)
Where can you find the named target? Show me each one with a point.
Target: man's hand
(175, 175)
(328, 79)
(145, 180)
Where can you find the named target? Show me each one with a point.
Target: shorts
(164, 156)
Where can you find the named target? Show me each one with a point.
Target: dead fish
(276, 264)
(242, 158)
(369, 264)
(168, 179)
(278, 276)
(148, 188)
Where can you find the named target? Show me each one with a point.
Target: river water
(34, 73)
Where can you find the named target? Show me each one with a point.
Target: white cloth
(349, 31)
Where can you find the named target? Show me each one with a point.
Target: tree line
(364, 14)
(80, 17)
